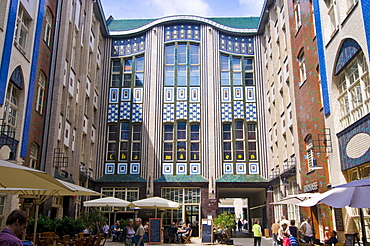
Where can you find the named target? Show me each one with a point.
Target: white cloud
(252, 7)
(176, 7)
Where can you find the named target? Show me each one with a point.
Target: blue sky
(141, 9)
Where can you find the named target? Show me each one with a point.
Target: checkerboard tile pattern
(112, 112)
(181, 110)
(226, 112)
(169, 112)
(125, 111)
(251, 112)
(194, 112)
(238, 110)
(137, 113)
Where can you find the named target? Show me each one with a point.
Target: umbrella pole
(155, 213)
(35, 225)
(362, 221)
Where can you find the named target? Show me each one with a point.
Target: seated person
(187, 231)
(333, 238)
(172, 231)
(180, 232)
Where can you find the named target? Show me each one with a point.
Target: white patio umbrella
(41, 195)
(295, 199)
(107, 202)
(156, 203)
(353, 194)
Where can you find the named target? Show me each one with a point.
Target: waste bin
(267, 232)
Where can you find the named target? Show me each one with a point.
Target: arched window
(11, 105)
(48, 27)
(309, 150)
(297, 14)
(352, 82)
(302, 68)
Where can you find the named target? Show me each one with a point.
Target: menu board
(351, 239)
(155, 227)
(207, 231)
(338, 219)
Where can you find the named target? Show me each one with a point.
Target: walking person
(240, 225)
(16, 223)
(139, 235)
(307, 231)
(275, 232)
(293, 229)
(129, 233)
(257, 233)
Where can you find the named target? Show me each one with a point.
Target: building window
(239, 140)
(136, 142)
(194, 142)
(124, 138)
(112, 142)
(11, 110)
(302, 68)
(40, 92)
(227, 142)
(130, 194)
(184, 147)
(252, 141)
(133, 72)
(297, 14)
(189, 200)
(48, 27)
(236, 71)
(168, 139)
(22, 29)
(116, 73)
(34, 150)
(309, 150)
(332, 15)
(182, 65)
(354, 90)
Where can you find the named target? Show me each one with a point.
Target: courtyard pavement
(240, 239)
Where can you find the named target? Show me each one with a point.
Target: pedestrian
(129, 233)
(283, 231)
(257, 233)
(284, 220)
(105, 229)
(240, 225)
(293, 229)
(275, 232)
(16, 223)
(306, 230)
(139, 235)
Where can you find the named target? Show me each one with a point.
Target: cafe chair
(187, 238)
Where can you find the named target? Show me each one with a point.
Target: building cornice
(191, 18)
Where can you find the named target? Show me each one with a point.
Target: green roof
(181, 178)
(127, 24)
(234, 22)
(237, 22)
(121, 178)
(252, 178)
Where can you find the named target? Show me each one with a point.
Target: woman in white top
(130, 233)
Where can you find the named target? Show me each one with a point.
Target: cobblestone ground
(240, 239)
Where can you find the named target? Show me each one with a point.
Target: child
(286, 240)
